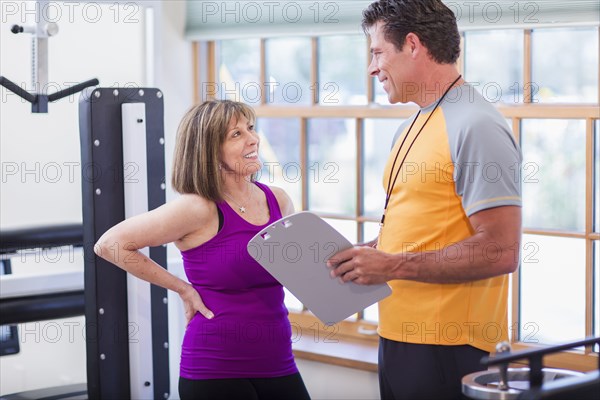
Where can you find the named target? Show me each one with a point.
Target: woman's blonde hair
(200, 135)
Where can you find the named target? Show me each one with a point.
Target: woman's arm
(172, 221)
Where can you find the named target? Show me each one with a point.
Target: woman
(237, 343)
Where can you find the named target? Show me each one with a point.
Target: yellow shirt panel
(425, 213)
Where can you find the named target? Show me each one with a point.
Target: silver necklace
(240, 207)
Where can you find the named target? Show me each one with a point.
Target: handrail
(72, 90)
(41, 237)
(16, 89)
(39, 102)
(44, 307)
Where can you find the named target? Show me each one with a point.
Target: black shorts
(423, 371)
(285, 387)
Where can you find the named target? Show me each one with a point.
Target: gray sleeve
(487, 162)
(400, 129)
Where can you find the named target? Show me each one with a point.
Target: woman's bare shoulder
(285, 202)
(193, 208)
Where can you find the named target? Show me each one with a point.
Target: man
(451, 228)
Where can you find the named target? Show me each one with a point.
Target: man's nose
(373, 69)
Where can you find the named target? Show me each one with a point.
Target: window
(556, 175)
(331, 170)
(288, 71)
(565, 65)
(498, 78)
(596, 177)
(377, 142)
(553, 174)
(552, 289)
(239, 70)
(340, 82)
(596, 255)
(596, 223)
(280, 155)
(343, 146)
(553, 267)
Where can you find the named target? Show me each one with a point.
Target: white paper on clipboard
(295, 251)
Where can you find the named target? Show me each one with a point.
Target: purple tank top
(250, 334)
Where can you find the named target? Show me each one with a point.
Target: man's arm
(492, 250)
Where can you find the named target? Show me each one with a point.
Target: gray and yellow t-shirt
(464, 160)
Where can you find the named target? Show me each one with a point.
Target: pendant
(242, 209)
(381, 227)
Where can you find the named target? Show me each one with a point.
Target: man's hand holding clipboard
(295, 250)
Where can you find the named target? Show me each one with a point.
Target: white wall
(41, 184)
(39, 153)
(325, 381)
(52, 353)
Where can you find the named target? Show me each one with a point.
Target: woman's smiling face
(239, 151)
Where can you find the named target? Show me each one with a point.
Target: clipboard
(295, 250)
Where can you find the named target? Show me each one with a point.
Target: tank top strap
(274, 209)
(228, 213)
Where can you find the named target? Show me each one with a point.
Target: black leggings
(290, 387)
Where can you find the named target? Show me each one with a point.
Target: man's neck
(435, 81)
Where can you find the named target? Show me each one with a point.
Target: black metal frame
(39, 102)
(13, 240)
(9, 340)
(106, 313)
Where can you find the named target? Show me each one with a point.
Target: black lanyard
(391, 184)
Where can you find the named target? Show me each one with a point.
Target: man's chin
(398, 100)
(394, 100)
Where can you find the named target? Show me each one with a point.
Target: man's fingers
(341, 270)
(340, 258)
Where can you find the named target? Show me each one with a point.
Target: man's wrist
(403, 264)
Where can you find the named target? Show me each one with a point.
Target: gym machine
(41, 32)
(123, 174)
(32, 298)
(122, 137)
(535, 382)
(122, 140)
